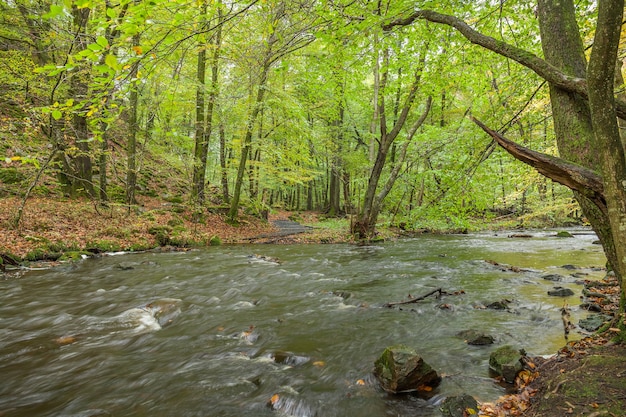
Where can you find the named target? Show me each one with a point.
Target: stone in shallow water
(474, 337)
(401, 369)
(505, 362)
(593, 322)
(561, 292)
(459, 406)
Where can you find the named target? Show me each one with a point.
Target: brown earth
(585, 378)
(61, 225)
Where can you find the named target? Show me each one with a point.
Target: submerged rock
(401, 369)
(474, 337)
(499, 305)
(459, 406)
(505, 362)
(561, 292)
(288, 358)
(553, 277)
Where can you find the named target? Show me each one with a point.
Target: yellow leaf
(137, 49)
(274, 399)
(319, 364)
(360, 382)
(16, 158)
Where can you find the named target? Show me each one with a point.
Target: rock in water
(459, 406)
(401, 369)
(474, 337)
(561, 292)
(505, 361)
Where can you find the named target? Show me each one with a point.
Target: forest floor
(585, 378)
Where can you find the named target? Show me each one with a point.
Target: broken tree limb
(573, 176)
(414, 300)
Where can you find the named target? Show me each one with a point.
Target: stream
(240, 328)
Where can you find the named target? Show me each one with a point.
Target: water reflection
(319, 310)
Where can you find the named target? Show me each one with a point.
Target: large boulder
(506, 362)
(401, 369)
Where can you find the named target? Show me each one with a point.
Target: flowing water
(242, 329)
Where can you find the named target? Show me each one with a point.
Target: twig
(414, 300)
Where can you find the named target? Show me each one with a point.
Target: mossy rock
(74, 255)
(215, 241)
(563, 233)
(505, 362)
(459, 406)
(400, 369)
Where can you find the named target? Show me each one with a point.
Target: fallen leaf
(360, 382)
(65, 340)
(319, 364)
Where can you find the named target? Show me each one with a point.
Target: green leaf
(102, 41)
(111, 13)
(55, 10)
(56, 114)
(111, 61)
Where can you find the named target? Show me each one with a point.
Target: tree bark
(608, 143)
(131, 148)
(364, 227)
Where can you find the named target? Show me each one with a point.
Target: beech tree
(584, 107)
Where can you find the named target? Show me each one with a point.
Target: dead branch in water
(414, 300)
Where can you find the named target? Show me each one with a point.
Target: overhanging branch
(575, 177)
(531, 61)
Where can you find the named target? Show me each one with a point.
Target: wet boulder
(459, 406)
(474, 337)
(593, 322)
(499, 305)
(506, 362)
(288, 358)
(401, 369)
(561, 292)
(553, 277)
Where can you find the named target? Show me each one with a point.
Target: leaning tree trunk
(563, 48)
(608, 143)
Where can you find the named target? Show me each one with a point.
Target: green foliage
(317, 114)
(11, 175)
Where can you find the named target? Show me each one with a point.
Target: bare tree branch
(531, 61)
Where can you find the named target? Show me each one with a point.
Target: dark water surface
(69, 346)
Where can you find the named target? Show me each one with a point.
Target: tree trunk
(223, 166)
(131, 150)
(201, 135)
(79, 89)
(247, 142)
(563, 48)
(608, 143)
(364, 227)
